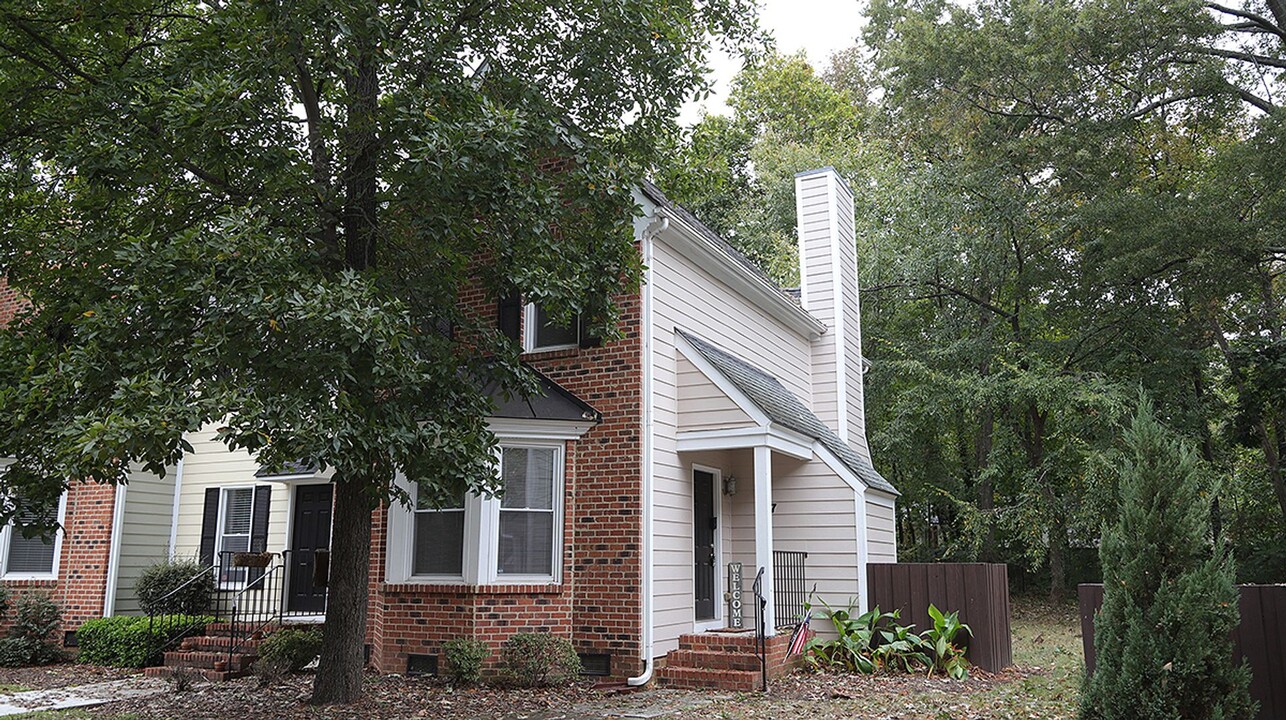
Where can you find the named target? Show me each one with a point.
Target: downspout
(658, 226)
(174, 514)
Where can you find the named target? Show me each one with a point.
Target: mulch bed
(832, 686)
(386, 696)
(49, 677)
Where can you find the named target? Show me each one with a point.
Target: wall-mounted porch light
(730, 485)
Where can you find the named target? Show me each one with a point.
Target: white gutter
(114, 552)
(658, 226)
(174, 514)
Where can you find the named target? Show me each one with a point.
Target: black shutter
(259, 519)
(587, 340)
(509, 316)
(259, 528)
(209, 525)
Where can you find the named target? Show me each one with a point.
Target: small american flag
(800, 638)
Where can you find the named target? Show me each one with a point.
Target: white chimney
(828, 290)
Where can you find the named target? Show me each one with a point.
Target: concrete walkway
(80, 695)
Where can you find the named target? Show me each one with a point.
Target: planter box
(254, 560)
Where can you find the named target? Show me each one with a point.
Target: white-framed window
(516, 538)
(438, 546)
(32, 558)
(543, 334)
(236, 511)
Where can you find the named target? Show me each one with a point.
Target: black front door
(704, 523)
(309, 547)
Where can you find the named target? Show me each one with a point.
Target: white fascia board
(721, 381)
(834, 463)
(783, 441)
(538, 429)
(301, 477)
(718, 262)
(881, 497)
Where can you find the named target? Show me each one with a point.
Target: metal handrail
(166, 617)
(265, 604)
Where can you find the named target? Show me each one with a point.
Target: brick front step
(218, 643)
(713, 660)
(236, 662)
(223, 629)
(704, 679)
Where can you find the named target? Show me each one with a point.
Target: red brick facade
(81, 584)
(80, 588)
(598, 601)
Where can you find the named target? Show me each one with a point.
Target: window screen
(234, 530)
(439, 539)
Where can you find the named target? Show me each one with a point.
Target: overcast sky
(818, 27)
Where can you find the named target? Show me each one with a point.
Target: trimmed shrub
(292, 648)
(36, 620)
(464, 659)
(128, 641)
(166, 576)
(538, 660)
(1163, 637)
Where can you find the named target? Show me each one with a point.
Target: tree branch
(44, 42)
(1255, 100)
(1254, 19)
(1249, 57)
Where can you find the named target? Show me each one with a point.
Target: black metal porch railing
(789, 586)
(249, 599)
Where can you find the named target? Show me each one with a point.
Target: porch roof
(551, 402)
(784, 408)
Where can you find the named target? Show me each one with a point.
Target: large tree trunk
(339, 672)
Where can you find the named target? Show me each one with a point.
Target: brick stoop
(724, 661)
(208, 655)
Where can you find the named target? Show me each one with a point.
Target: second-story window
(545, 334)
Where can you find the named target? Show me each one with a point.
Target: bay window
(516, 537)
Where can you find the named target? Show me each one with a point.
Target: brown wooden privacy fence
(978, 591)
(1260, 639)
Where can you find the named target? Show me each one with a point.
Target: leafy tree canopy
(264, 215)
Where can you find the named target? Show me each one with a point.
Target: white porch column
(763, 529)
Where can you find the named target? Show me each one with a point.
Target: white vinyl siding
(881, 531)
(702, 405)
(686, 296)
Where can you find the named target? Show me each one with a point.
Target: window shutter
(259, 528)
(209, 525)
(259, 519)
(587, 340)
(509, 316)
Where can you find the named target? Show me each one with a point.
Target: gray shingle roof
(784, 408)
(551, 402)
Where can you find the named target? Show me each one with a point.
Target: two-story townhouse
(725, 426)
